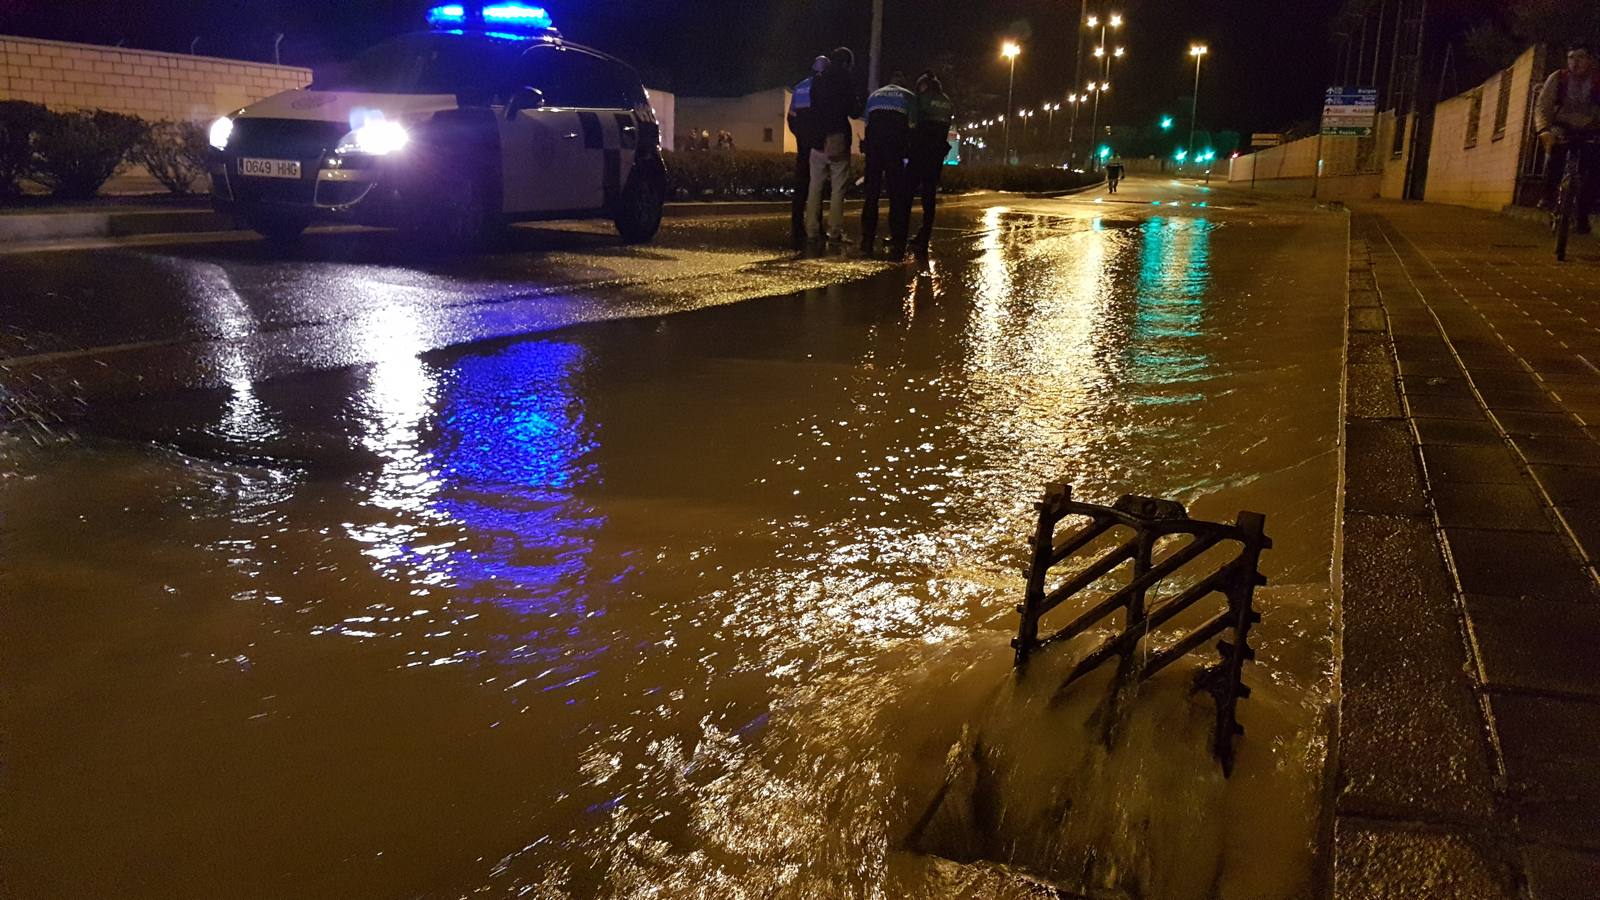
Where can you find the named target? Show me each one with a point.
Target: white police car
(489, 117)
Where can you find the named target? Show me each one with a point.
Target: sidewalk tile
(1585, 524)
(1541, 645)
(1425, 407)
(1556, 873)
(1470, 464)
(1371, 391)
(1438, 386)
(1558, 451)
(1378, 861)
(1428, 368)
(1521, 421)
(1498, 379)
(1569, 486)
(1516, 564)
(1386, 481)
(1458, 431)
(1367, 319)
(1411, 742)
(1552, 755)
(1503, 507)
(1367, 348)
(1560, 365)
(1529, 401)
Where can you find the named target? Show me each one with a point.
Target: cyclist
(1569, 106)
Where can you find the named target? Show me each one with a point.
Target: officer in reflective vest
(891, 114)
(930, 144)
(803, 125)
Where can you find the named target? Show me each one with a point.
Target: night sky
(1268, 64)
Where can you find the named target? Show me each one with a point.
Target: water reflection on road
(693, 605)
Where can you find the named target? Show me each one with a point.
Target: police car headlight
(221, 130)
(379, 137)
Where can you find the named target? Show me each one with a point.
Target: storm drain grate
(1148, 522)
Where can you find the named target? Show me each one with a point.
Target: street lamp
(1198, 51)
(1094, 123)
(1114, 21)
(1050, 123)
(1010, 51)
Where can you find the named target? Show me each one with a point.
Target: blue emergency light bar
(501, 16)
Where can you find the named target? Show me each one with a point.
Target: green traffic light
(1166, 123)
(1179, 154)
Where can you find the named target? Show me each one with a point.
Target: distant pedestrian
(1113, 175)
(1569, 108)
(930, 144)
(891, 114)
(803, 125)
(836, 101)
(705, 139)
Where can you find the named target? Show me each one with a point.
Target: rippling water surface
(702, 605)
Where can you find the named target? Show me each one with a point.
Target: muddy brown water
(693, 605)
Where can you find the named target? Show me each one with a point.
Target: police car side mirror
(524, 98)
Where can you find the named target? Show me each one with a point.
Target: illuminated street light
(1198, 51)
(1010, 50)
(1115, 21)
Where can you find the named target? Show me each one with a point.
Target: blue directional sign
(1349, 110)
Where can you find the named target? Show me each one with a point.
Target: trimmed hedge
(174, 153)
(754, 175)
(19, 122)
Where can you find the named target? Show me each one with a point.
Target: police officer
(891, 114)
(803, 125)
(930, 144)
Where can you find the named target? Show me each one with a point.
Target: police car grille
(285, 138)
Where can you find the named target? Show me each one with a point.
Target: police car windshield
(426, 64)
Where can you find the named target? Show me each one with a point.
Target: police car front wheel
(461, 216)
(638, 214)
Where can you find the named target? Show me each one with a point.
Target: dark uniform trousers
(802, 185)
(927, 165)
(886, 169)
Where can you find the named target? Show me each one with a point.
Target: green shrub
(753, 175)
(19, 122)
(729, 175)
(1025, 179)
(77, 152)
(174, 153)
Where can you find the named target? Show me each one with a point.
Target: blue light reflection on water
(514, 444)
(1173, 285)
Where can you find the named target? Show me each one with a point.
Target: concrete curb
(53, 226)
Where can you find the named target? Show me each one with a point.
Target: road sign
(1349, 110)
(1265, 139)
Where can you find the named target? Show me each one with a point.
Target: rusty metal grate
(1150, 521)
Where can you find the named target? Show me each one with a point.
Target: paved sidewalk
(1474, 455)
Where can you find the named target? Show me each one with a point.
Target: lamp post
(1094, 124)
(1072, 129)
(1112, 21)
(1198, 51)
(1050, 123)
(1009, 50)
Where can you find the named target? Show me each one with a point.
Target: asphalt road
(592, 570)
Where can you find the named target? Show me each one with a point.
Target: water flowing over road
(682, 570)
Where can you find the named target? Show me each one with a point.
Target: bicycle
(1570, 189)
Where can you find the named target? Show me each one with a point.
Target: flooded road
(678, 596)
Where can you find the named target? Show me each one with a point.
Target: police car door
(541, 138)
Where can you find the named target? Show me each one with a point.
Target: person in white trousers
(832, 160)
(834, 101)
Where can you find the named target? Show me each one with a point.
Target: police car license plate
(270, 168)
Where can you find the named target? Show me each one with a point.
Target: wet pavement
(1474, 395)
(583, 570)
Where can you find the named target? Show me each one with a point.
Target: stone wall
(144, 83)
(1477, 146)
